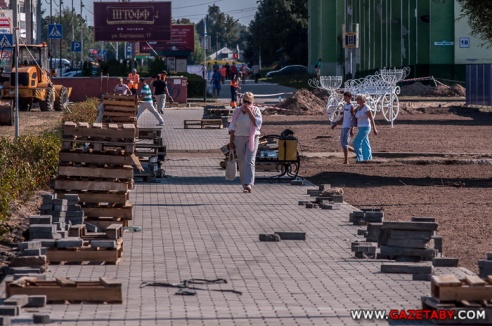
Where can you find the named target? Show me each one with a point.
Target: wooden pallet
(103, 223)
(97, 197)
(115, 158)
(121, 173)
(99, 146)
(99, 130)
(120, 100)
(68, 185)
(86, 254)
(471, 288)
(122, 213)
(203, 123)
(113, 231)
(62, 290)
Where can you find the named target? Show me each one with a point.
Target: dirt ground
(453, 184)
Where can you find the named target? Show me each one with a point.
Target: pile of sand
(419, 89)
(303, 102)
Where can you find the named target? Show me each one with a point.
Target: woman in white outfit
(244, 132)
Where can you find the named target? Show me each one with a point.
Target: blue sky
(195, 10)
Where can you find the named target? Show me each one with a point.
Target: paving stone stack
(485, 266)
(407, 241)
(119, 108)
(218, 112)
(460, 297)
(363, 249)
(366, 215)
(12, 306)
(325, 198)
(95, 163)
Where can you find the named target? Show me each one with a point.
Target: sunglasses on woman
(247, 102)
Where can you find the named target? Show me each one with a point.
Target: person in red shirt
(223, 73)
(234, 89)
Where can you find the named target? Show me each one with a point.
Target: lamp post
(81, 35)
(16, 29)
(205, 57)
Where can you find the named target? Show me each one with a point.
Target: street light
(61, 40)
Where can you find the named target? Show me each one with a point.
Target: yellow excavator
(35, 85)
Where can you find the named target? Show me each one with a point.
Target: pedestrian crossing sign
(55, 31)
(6, 41)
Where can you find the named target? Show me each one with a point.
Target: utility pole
(81, 35)
(38, 23)
(205, 57)
(73, 32)
(16, 58)
(61, 40)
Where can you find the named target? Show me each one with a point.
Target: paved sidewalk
(197, 225)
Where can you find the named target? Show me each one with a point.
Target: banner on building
(182, 39)
(132, 21)
(5, 21)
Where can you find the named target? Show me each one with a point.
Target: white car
(55, 63)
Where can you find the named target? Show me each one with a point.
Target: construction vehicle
(35, 85)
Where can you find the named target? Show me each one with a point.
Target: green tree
(279, 31)
(479, 15)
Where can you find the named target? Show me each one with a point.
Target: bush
(82, 111)
(196, 84)
(27, 165)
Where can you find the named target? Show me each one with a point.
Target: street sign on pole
(76, 46)
(55, 31)
(6, 41)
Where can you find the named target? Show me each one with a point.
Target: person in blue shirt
(147, 103)
(216, 86)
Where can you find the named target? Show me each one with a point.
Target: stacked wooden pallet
(151, 151)
(95, 163)
(120, 108)
(468, 301)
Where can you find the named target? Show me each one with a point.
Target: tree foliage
(479, 15)
(224, 30)
(279, 31)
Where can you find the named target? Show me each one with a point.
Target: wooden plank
(65, 282)
(131, 119)
(109, 283)
(91, 185)
(56, 255)
(124, 172)
(474, 280)
(414, 226)
(114, 231)
(192, 123)
(119, 103)
(83, 292)
(136, 161)
(469, 293)
(124, 213)
(129, 97)
(95, 158)
(90, 198)
(118, 114)
(445, 280)
(114, 108)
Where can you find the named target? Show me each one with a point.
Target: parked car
(288, 70)
(55, 63)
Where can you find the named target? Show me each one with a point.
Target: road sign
(55, 31)
(76, 46)
(6, 41)
(129, 49)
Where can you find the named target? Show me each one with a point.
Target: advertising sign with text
(132, 21)
(182, 39)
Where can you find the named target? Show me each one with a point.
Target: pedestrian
(256, 72)
(121, 88)
(216, 83)
(365, 121)
(317, 67)
(147, 103)
(233, 71)
(347, 121)
(244, 132)
(133, 81)
(234, 89)
(209, 70)
(161, 92)
(228, 70)
(215, 66)
(223, 73)
(244, 72)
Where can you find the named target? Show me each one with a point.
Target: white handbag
(231, 167)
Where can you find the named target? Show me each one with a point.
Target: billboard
(182, 39)
(132, 21)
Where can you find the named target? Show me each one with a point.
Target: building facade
(422, 34)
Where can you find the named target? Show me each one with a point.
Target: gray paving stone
(36, 301)
(70, 242)
(9, 310)
(18, 300)
(40, 219)
(5, 321)
(41, 318)
(35, 244)
(445, 262)
(103, 243)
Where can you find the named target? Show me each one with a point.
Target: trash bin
(287, 146)
(178, 88)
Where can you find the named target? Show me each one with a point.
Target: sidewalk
(197, 225)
